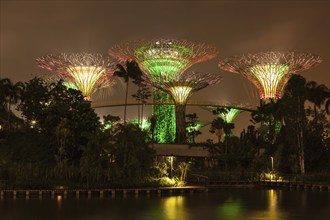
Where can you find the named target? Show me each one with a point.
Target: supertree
(193, 130)
(53, 78)
(161, 57)
(87, 72)
(270, 71)
(228, 114)
(181, 88)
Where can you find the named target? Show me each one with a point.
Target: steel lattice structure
(167, 56)
(270, 71)
(181, 88)
(159, 57)
(88, 72)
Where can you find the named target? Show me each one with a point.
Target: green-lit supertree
(228, 114)
(181, 88)
(163, 57)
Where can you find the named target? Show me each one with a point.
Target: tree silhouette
(10, 94)
(132, 71)
(317, 94)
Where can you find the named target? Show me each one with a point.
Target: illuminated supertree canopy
(164, 57)
(270, 71)
(144, 124)
(228, 114)
(53, 78)
(181, 88)
(88, 72)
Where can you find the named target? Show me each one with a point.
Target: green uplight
(231, 209)
(70, 85)
(165, 118)
(230, 115)
(161, 65)
(164, 58)
(108, 126)
(196, 127)
(163, 61)
(144, 124)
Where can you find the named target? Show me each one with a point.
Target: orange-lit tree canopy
(88, 72)
(270, 71)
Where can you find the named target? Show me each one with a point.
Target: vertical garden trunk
(180, 116)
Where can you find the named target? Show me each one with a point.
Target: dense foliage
(293, 132)
(62, 142)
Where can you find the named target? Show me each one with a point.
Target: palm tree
(133, 71)
(142, 95)
(153, 122)
(293, 99)
(317, 94)
(10, 94)
(270, 115)
(327, 104)
(219, 126)
(4, 87)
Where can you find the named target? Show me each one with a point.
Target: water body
(223, 204)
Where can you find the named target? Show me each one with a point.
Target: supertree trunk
(165, 119)
(180, 116)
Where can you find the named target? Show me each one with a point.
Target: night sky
(30, 29)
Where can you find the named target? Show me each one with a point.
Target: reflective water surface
(227, 204)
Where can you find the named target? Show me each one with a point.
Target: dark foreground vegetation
(59, 141)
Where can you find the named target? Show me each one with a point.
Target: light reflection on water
(224, 204)
(174, 208)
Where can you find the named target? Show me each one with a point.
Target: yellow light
(59, 198)
(271, 77)
(85, 77)
(174, 208)
(180, 94)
